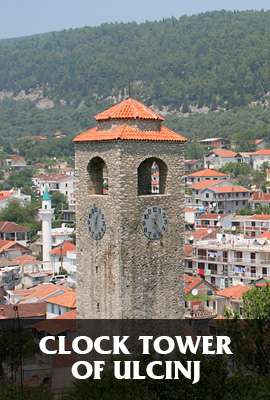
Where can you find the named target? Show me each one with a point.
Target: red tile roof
(129, 109)
(205, 184)
(224, 153)
(126, 132)
(203, 233)
(24, 310)
(260, 196)
(63, 248)
(53, 177)
(230, 189)
(262, 152)
(260, 217)
(5, 194)
(7, 244)
(60, 324)
(10, 227)
(234, 292)
(206, 173)
(67, 299)
(207, 216)
(264, 235)
(25, 259)
(191, 282)
(40, 292)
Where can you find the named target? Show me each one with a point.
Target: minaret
(46, 214)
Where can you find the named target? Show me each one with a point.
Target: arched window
(152, 174)
(98, 176)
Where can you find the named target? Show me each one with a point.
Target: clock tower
(129, 216)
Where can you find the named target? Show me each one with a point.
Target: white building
(46, 215)
(205, 175)
(221, 197)
(64, 256)
(59, 235)
(62, 183)
(260, 157)
(231, 260)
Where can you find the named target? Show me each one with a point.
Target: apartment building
(259, 199)
(251, 225)
(221, 197)
(62, 183)
(230, 260)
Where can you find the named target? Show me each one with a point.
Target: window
(98, 176)
(152, 174)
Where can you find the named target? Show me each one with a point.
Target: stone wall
(125, 275)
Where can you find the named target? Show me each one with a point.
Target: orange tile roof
(203, 233)
(53, 177)
(67, 299)
(262, 152)
(60, 324)
(264, 235)
(204, 184)
(5, 194)
(230, 189)
(224, 153)
(209, 216)
(129, 109)
(260, 217)
(10, 227)
(126, 132)
(207, 172)
(6, 244)
(63, 248)
(25, 259)
(234, 292)
(24, 310)
(191, 282)
(260, 196)
(40, 292)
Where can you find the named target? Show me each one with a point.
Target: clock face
(96, 223)
(154, 223)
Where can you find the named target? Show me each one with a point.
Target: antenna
(129, 88)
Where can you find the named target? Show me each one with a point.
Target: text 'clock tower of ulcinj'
(129, 216)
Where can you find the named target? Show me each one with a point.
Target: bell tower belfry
(129, 216)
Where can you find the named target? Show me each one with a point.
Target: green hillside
(219, 60)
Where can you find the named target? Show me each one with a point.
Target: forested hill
(221, 55)
(219, 60)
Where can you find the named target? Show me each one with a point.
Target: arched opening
(98, 176)
(152, 174)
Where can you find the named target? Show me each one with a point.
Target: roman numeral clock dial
(96, 223)
(154, 223)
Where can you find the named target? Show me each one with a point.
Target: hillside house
(218, 158)
(221, 197)
(12, 231)
(215, 143)
(205, 175)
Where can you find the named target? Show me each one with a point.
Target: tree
(59, 203)
(256, 303)
(25, 215)
(194, 151)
